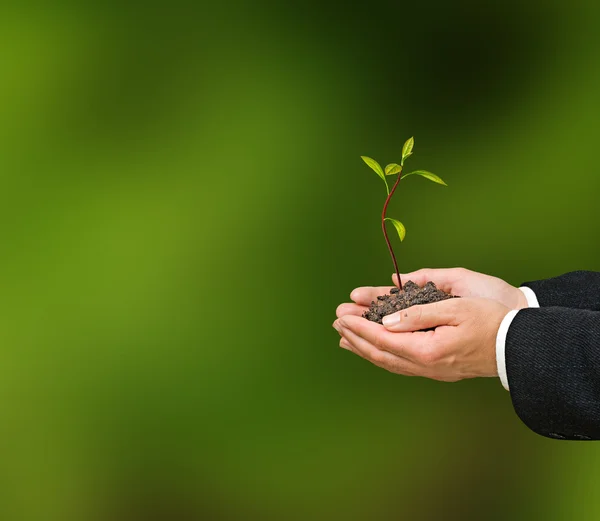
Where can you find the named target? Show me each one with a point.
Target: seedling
(397, 169)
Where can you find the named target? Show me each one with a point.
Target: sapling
(413, 294)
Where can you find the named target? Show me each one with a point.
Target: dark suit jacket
(553, 358)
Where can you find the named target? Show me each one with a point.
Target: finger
(366, 294)
(444, 279)
(415, 318)
(420, 277)
(407, 346)
(344, 344)
(377, 357)
(350, 309)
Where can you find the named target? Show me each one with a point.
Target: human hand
(463, 345)
(456, 281)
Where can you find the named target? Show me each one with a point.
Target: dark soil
(396, 300)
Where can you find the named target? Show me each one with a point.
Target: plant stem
(387, 239)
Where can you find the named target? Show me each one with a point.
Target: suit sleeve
(577, 290)
(553, 369)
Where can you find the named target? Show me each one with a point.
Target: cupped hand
(456, 281)
(462, 345)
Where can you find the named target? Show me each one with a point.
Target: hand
(456, 281)
(463, 345)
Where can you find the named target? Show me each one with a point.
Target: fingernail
(337, 327)
(391, 320)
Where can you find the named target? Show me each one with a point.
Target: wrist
(522, 301)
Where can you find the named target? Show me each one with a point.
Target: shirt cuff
(531, 297)
(501, 345)
(532, 302)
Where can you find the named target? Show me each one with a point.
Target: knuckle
(419, 313)
(401, 368)
(425, 272)
(377, 358)
(379, 341)
(461, 305)
(452, 305)
(426, 359)
(415, 314)
(460, 271)
(429, 355)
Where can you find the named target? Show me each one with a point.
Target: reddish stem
(387, 239)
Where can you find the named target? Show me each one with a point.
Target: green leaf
(427, 175)
(399, 227)
(392, 169)
(408, 148)
(374, 165)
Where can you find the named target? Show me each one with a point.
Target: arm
(577, 290)
(552, 355)
(553, 366)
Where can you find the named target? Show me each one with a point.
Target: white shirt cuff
(531, 297)
(501, 345)
(532, 302)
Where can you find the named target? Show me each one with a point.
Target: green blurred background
(184, 206)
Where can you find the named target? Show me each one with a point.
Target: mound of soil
(410, 295)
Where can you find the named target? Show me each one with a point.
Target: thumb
(415, 318)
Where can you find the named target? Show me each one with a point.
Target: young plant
(395, 169)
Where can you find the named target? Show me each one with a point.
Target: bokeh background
(184, 206)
